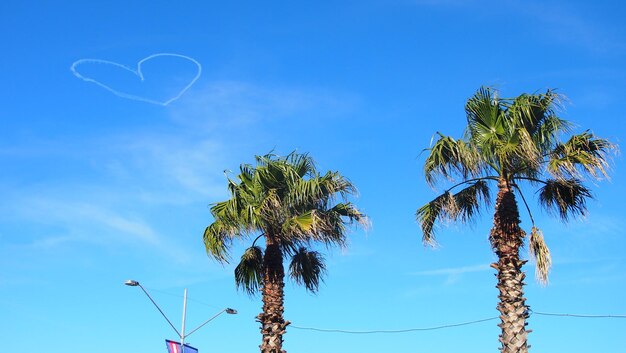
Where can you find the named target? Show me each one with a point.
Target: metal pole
(157, 306)
(182, 334)
(206, 322)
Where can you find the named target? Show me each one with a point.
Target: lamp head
(231, 311)
(131, 283)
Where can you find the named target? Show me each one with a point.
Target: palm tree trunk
(506, 239)
(273, 325)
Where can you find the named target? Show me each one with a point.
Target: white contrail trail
(137, 72)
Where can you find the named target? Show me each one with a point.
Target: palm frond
(238, 212)
(524, 150)
(270, 207)
(485, 124)
(567, 197)
(448, 157)
(441, 208)
(447, 207)
(583, 153)
(330, 225)
(531, 111)
(426, 216)
(302, 164)
(349, 211)
(249, 271)
(307, 268)
(217, 239)
(299, 225)
(540, 252)
(469, 200)
(547, 134)
(319, 190)
(246, 175)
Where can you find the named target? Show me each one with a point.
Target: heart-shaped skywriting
(120, 92)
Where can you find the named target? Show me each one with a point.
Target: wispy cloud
(117, 187)
(84, 221)
(443, 2)
(242, 105)
(453, 275)
(183, 163)
(567, 25)
(454, 271)
(558, 21)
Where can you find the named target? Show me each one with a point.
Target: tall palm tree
(512, 143)
(288, 204)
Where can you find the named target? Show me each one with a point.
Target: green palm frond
(485, 124)
(249, 272)
(469, 201)
(447, 207)
(246, 174)
(531, 111)
(441, 208)
(320, 190)
(540, 252)
(547, 134)
(567, 197)
(448, 157)
(270, 207)
(524, 148)
(330, 225)
(426, 216)
(483, 114)
(307, 268)
(348, 211)
(239, 212)
(217, 240)
(303, 164)
(299, 225)
(581, 153)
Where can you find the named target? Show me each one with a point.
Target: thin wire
(180, 296)
(394, 331)
(454, 325)
(580, 315)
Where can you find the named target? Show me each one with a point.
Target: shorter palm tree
(290, 206)
(509, 143)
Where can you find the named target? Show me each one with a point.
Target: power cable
(395, 331)
(326, 330)
(580, 315)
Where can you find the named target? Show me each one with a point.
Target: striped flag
(174, 347)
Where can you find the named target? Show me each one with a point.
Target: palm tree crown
(513, 141)
(289, 204)
(288, 201)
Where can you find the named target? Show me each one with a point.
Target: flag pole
(182, 331)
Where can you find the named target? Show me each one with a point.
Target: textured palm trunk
(273, 325)
(507, 238)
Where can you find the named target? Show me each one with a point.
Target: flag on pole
(174, 347)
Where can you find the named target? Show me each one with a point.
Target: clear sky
(100, 184)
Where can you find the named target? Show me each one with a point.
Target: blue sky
(98, 188)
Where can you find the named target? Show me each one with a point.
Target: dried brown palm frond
(540, 252)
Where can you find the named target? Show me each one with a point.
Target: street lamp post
(181, 334)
